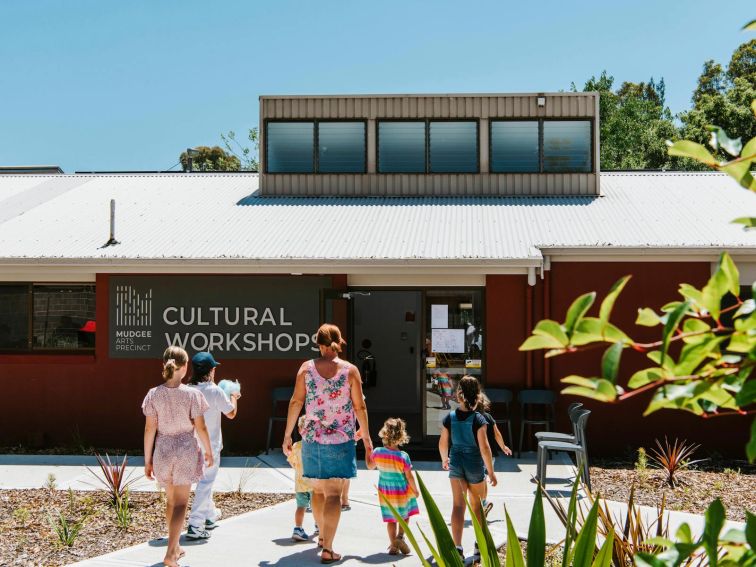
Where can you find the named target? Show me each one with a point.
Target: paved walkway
(262, 537)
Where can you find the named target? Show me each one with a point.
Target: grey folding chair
(502, 397)
(279, 395)
(536, 409)
(580, 448)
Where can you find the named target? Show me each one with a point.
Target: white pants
(203, 507)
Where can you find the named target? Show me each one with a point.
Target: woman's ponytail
(330, 336)
(173, 358)
(469, 389)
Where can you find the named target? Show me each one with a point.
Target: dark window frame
(315, 145)
(427, 123)
(30, 349)
(541, 121)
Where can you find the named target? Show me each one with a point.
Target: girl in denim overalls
(469, 457)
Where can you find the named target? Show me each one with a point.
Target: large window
(341, 147)
(514, 146)
(47, 317)
(291, 147)
(541, 146)
(453, 147)
(566, 146)
(401, 147)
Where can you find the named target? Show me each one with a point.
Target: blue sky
(96, 85)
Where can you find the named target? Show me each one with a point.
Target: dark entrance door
(386, 346)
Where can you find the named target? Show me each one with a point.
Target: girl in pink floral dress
(172, 454)
(330, 390)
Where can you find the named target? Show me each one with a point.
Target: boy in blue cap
(204, 514)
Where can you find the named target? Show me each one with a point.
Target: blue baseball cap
(203, 362)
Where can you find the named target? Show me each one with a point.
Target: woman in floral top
(330, 390)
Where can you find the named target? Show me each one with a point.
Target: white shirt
(219, 403)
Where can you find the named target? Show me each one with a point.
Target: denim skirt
(323, 462)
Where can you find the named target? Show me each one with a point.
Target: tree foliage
(723, 97)
(634, 122)
(247, 156)
(210, 159)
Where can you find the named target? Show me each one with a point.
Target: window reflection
(453, 347)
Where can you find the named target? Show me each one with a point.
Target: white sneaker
(197, 533)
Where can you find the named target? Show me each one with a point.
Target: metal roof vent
(112, 240)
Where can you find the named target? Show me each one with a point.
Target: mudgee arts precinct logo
(133, 318)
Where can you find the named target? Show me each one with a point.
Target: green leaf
(408, 531)
(695, 326)
(643, 377)
(747, 394)
(536, 553)
(610, 362)
(748, 222)
(714, 519)
(571, 521)
(749, 149)
(596, 388)
(514, 551)
(683, 534)
(720, 139)
(585, 544)
(643, 559)
(444, 541)
(690, 292)
(591, 330)
(686, 148)
(750, 529)
(608, 303)
(434, 551)
(539, 342)
(748, 307)
(604, 556)
(578, 310)
(751, 26)
(647, 317)
(730, 271)
(739, 171)
(751, 446)
(549, 328)
(672, 323)
(693, 354)
(486, 546)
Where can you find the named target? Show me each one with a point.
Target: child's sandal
(334, 557)
(393, 549)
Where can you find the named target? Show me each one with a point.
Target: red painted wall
(615, 428)
(48, 400)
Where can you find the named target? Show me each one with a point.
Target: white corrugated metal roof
(219, 217)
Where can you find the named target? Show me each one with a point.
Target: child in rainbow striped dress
(395, 483)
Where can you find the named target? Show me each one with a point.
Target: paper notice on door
(448, 340)
(439, 317)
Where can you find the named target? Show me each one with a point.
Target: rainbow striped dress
(392, 483)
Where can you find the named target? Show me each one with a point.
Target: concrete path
(262, 537)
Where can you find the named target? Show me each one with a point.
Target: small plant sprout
(245, 476)
(51, 482)
(673, 458)
(123, 511)
(22, 516)
(114, 477)
(66, 531)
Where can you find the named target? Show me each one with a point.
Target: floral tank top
(329, 413)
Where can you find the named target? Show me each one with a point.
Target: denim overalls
(465, 460)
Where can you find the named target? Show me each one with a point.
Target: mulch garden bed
(27, 538)
(733, 482)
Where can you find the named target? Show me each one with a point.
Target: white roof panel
(219, 216)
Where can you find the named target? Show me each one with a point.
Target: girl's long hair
(469, 389)
(174, 357)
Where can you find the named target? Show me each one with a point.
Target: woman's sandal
(334, 557)
(320, 543)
